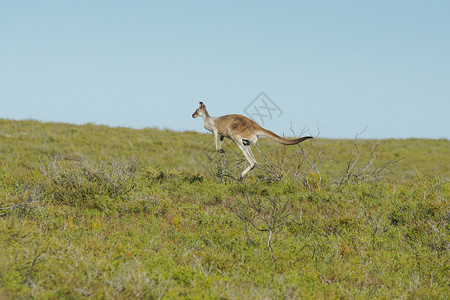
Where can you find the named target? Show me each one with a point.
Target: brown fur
(242, 131)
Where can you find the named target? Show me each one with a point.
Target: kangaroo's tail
(282, 140)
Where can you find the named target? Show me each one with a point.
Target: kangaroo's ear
(201, 104)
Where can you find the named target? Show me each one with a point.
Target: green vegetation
(97, 212)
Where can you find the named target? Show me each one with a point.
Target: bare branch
(263, 217)
(363, 174)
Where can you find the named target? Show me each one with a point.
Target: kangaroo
(242, 131)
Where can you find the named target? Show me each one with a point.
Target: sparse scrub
(92, 222)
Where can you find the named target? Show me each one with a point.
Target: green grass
(97, 212)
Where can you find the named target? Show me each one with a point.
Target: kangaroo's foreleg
(218, 141)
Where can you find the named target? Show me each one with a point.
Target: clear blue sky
(337, 66)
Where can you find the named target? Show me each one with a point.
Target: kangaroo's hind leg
(248, 155)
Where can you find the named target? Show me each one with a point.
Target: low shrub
(78, 182)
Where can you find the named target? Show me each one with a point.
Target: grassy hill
(98, 212)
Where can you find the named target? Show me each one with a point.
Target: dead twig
(33, 264)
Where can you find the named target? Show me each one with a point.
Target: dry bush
(262, 214)
(305, 165)
(76, 181)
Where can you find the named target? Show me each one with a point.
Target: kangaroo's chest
(209, 124)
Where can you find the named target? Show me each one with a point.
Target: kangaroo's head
(201, 111)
